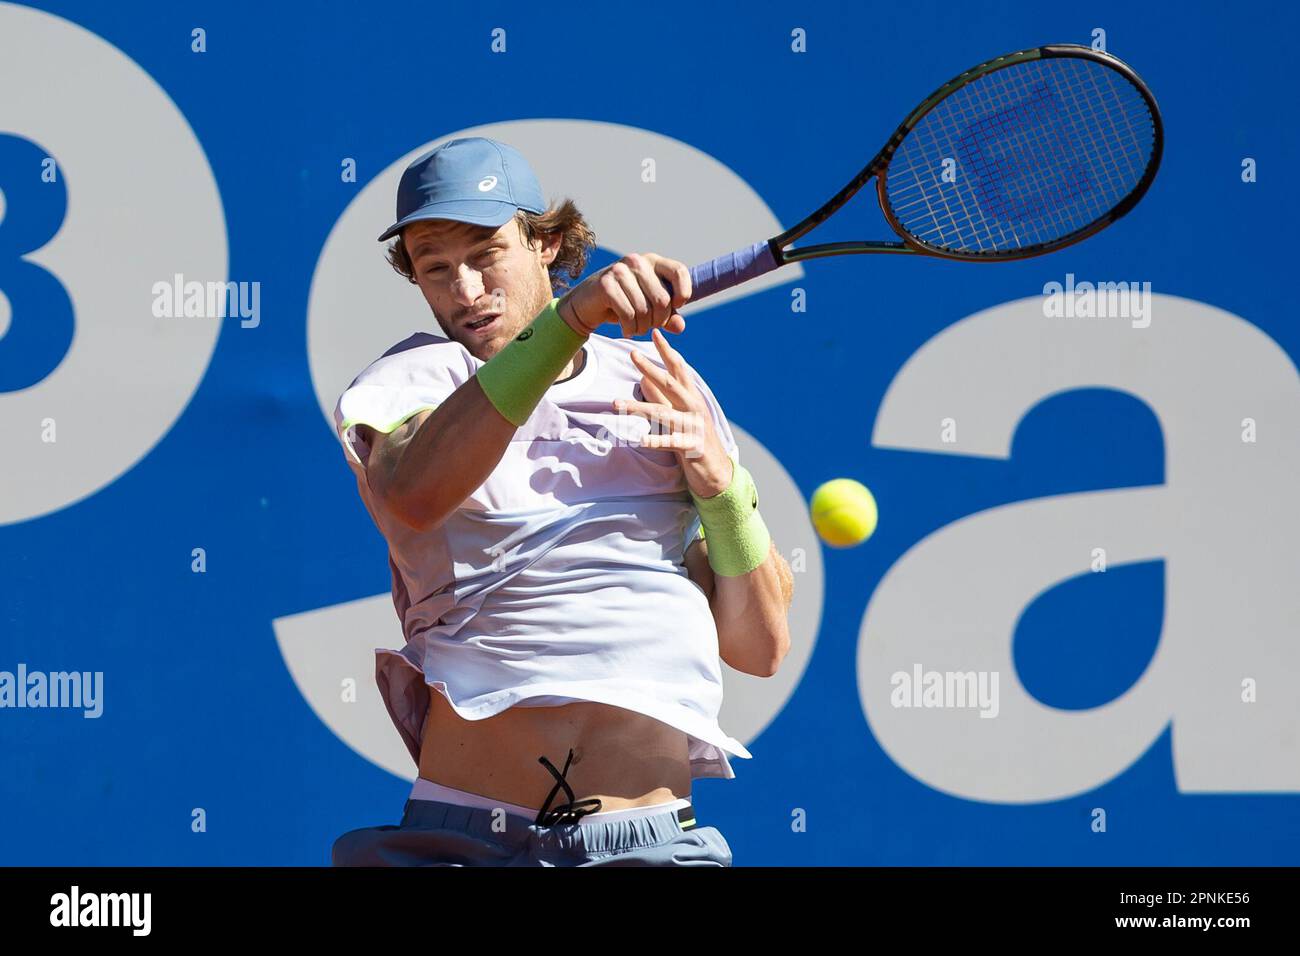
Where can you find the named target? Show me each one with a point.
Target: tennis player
(574, 544)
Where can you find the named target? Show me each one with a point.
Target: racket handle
(729, 270)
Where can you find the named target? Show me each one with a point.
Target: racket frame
(914, 245)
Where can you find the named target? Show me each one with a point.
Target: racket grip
(729, 270)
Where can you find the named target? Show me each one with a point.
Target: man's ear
(551, 246)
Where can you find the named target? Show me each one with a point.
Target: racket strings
(1021, 157)
(1009, 197)
(1002, 199)
(1000, 208)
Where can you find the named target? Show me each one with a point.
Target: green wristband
(738, 538)
(516, 378)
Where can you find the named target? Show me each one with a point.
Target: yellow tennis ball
(843, 512)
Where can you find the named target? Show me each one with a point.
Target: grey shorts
(433, 833)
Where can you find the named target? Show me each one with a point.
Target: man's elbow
(419, 516)
(780, 650)
(767, 662)
(780, 618)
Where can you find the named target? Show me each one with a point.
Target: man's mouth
(482, 324)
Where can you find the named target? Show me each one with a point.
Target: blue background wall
(201, 711)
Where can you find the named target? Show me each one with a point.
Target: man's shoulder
(419, 350)
(420, 370)
(421, 340)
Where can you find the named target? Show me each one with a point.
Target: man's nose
(468, 285)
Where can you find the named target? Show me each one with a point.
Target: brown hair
(577, 242)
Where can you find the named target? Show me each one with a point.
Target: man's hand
(629, 292)
(683, 419)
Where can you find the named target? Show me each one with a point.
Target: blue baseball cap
(474, 179)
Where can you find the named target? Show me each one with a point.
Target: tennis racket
(1023, 155)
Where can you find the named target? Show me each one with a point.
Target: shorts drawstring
(569, 812)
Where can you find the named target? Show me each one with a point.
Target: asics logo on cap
(488, 184)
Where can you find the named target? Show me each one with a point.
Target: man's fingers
(678, 441)
(681, 284)
(678, 276)
(672, 358)
(617, 299)
(654, 410)
(653, 378)
(660, 303)
(676, 394)
(630, 283)
(631, 293)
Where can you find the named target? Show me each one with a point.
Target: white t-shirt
(561, 577)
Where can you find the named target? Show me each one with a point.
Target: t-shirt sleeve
(403, 383)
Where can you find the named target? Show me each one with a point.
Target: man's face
(467, 272)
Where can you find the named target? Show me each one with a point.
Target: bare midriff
(623, 758)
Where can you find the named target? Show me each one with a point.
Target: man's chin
(481, 348)
(484, 347)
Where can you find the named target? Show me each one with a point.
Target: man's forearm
(752, 615)
(457, 448)
(453, 452)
